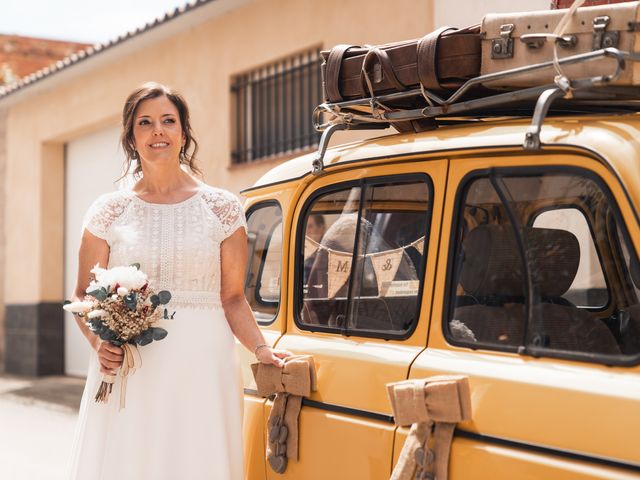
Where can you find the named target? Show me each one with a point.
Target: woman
(182, 418)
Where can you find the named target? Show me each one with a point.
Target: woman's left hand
(272, 356)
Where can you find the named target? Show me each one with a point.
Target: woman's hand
(110, 357)
(268, 355)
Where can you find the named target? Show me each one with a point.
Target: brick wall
(20, 56)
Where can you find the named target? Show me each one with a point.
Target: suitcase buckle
(503, 47)
(602, 38)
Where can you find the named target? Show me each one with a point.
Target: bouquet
(121, 308)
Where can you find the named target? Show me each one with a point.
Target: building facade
(248, 69)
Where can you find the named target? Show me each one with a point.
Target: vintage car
(466, 250)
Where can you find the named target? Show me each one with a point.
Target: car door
(266, 244)
(549, 344)
(360, 285)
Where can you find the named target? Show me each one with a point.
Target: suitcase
(514, 40)
(442, 60)
(587, 3)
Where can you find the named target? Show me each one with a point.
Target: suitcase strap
(427, 60)
(334, 61)
(387, 71)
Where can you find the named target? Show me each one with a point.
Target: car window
(362, 256)
(532, 265)
(262, 284)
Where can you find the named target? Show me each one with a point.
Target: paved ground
(37, 421)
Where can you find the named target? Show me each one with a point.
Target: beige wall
(198, 62)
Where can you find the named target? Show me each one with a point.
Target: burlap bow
(290, 383)
(441, 400)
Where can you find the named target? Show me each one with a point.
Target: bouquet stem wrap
(132, 361)
(290, 383)
(431, 406)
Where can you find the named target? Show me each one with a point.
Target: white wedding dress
(183, 413)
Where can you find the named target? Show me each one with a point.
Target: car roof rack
(567, 96)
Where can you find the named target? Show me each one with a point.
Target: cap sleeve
(227, 207)
(102, 213)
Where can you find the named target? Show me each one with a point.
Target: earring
(182, 156)
(135, 155)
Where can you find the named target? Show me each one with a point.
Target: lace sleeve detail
(103, 212)
(226, 206)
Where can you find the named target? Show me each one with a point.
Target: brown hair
(145, 92)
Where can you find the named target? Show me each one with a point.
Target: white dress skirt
(183, 407)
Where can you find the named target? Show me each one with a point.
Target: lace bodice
(177, 245)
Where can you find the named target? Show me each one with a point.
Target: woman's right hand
(110, 357)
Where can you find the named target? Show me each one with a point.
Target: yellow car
(459, 251)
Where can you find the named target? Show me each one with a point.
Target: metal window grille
(273, 106)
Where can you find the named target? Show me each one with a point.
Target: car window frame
(298, 266)
(250, 211)
(527, 350)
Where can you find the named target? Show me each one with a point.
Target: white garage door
(93, 163)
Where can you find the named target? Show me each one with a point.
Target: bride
(183, 413)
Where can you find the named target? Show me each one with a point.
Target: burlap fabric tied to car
(440, 402)
(290, 383)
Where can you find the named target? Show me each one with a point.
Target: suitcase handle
(427, 59)
(333, 64)
(387, 71)
(536, 40)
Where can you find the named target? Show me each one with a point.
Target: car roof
(614, 138)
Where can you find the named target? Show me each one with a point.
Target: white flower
(128, 277)
(78, 307)
(122, 291)
(96, 313)
(114, 297)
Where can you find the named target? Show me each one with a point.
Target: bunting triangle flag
(310, 247)
(419, 245)
(386, 266)
(339, 269)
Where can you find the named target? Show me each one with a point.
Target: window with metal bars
(273, 105)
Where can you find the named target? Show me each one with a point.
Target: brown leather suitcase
(513, 40)
(587, 3)
(441, 60)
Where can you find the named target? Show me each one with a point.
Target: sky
(88, 21)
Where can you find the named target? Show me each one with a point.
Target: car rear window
(534, 262)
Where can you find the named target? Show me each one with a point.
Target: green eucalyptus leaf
(66, 302)
(155, 300)
(137, 265)
(158, 333)
(145, 337)
(99, 294)
(131, 300)
(108, 335)
(164, 296)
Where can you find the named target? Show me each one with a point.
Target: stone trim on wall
(34, 339)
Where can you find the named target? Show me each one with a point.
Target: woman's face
(157, 131)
